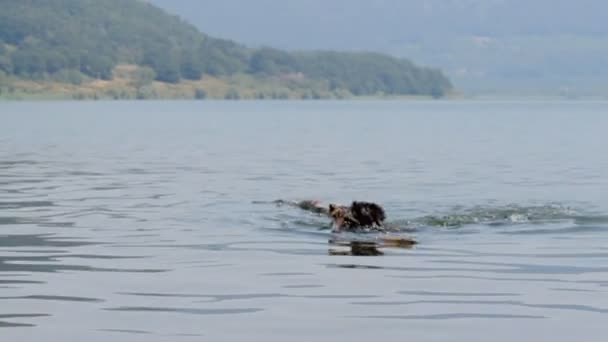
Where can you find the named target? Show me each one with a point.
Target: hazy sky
(480, 44)
(363, 23)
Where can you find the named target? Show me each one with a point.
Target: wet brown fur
(357, 215)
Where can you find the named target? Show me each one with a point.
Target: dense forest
(73, 41)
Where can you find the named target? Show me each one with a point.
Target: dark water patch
(312, 230)
(355, 266)
(502, 269)
(15, 325)
(232, 247)
(286, 274)
(108, 188)
(57, 224)
(126, 331)
(572, 290)
(25, 204)
(98, 257)
(260, 178)
(527, 268)
(136, 171)
(156, 206)
(303, 286)
(334, 296)
(38, 258)
(211, 265)
(499, 279)
(457, 294)
(20, 282)
(12, 163)
(581, 255)
(574, 307)
(99, 211)
(131, 236)
(286, 251)
(41, 240)
(81, 173)
(576, 255)
(217, 298)
(569, 307)
(10, 191)
(301, 223)
(452, 316)
(159, 196)
(21, 181)
(17, 264)
(37, 251)
(4, 324)
(232, 297)
(587, 220)
(456, 251)
(185, 310)
(11, 316)
(56, 298)
(13, 220)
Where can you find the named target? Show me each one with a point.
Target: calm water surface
(154, 221)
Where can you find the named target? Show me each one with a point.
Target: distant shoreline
(239, 87)
(412, 99)
(126, 87)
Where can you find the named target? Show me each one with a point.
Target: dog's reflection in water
(370, 248)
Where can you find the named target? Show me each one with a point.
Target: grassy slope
(124, 87)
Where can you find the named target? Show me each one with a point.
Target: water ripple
(4, 324)
(453, 316)
(573, 307)
(56, 298)
(188, 311)
(127, 331)
(212, 298)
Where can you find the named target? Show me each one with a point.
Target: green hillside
(77, 43)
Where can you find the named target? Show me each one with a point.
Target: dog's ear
(332, 207)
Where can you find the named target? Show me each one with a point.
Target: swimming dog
(357, 215)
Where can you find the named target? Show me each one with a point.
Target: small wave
(497, 216)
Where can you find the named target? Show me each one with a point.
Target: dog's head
(338, 214)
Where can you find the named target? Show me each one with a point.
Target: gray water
(154, 221)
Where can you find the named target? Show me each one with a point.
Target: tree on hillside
(191, 67)
(271, 61)
(6, 65)
(165, 63)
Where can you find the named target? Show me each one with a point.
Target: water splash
(496, 216)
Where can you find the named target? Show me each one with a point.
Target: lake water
(154, 221)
